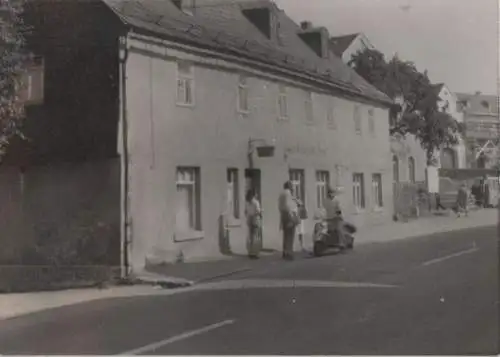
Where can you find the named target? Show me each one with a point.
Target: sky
(455, 40)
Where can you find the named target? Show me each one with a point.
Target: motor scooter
(324, 240)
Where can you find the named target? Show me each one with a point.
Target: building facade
(197, 119)
(481, 118)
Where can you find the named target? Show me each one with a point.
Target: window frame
(184, 78)
(322, 187)
(377, 191)
(358, 126)
(282, 102)
(358, 191)
(195, 224)
(298, 186)
(243, 87)
(309, 109)
(371, 121)
(412, 177)
(330, 115)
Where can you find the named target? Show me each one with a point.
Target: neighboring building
(452, 157)
(60, 188)
(481, 116)
(347, 45)
(206, 89)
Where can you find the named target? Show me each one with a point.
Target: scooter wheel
(319, 248)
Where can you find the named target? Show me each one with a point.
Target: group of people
(292, 215)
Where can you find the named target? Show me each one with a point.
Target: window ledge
(283, 118)
(244, 112)
(358, 211)
(188, 236)
(378, 210)
(185, 105)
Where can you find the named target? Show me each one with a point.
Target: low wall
(59, 221)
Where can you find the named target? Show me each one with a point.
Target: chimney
(264, 19)
(316, 38)
(306, 25)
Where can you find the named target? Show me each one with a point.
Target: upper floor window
(185, 83)
(371, 121)
(243, 95)
(357, 120)
(282, 102)
(330, 116)
(309, 108)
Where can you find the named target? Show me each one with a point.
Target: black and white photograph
(249, 177)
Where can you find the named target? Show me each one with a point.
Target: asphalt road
(429, 295)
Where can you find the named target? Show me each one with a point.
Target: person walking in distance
(253, 215)
(302, 211)
(289, 219)
(462, 200)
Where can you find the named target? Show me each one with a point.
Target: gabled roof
(221, 26)
(339, 44)
(437, 88)
(476, 103)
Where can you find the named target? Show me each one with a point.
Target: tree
(12, 63)
(417, 109)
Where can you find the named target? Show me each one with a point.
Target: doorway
(253, 181)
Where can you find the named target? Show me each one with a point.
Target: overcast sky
(455, 40)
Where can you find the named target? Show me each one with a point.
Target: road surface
(429, 295)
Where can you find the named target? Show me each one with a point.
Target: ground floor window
(188, 210)
(298, 183)
(377, 190)
(322, 183)
(233, 197)
(358, 190)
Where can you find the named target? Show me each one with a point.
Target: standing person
(289, 219)
(462, 200)
(438, 203)
(253, 215)
(303, 216)
(334, 216)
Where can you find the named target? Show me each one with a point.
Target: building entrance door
(253, 181)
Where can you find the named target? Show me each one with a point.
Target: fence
(59, 224)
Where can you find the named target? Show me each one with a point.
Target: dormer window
(186, 6)
(316, 38)
(262, 18)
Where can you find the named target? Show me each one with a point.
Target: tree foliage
(417, 110)
(13, 59)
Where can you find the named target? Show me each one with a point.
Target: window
(298, 184)
(395, 168)
(330, 116)
(282, 103)
(185, 83)
(233, 189)
(32, 82)
(309, 108)
(322, 183)
(188, 200)
(377, 190)
(242, 95)
(358, 191)
(411, 169)
(357, 120)
(371, 121)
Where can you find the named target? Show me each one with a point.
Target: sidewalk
(12, 305)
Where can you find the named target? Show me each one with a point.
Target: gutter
(125, 241)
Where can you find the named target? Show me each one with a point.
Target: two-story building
(207, 90)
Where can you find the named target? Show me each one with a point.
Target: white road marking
(154, 346)
(442, 259)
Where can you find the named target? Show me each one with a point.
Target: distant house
(451, 157)
(347, 45)
(481, 116)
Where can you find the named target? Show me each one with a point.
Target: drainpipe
(125, 241)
